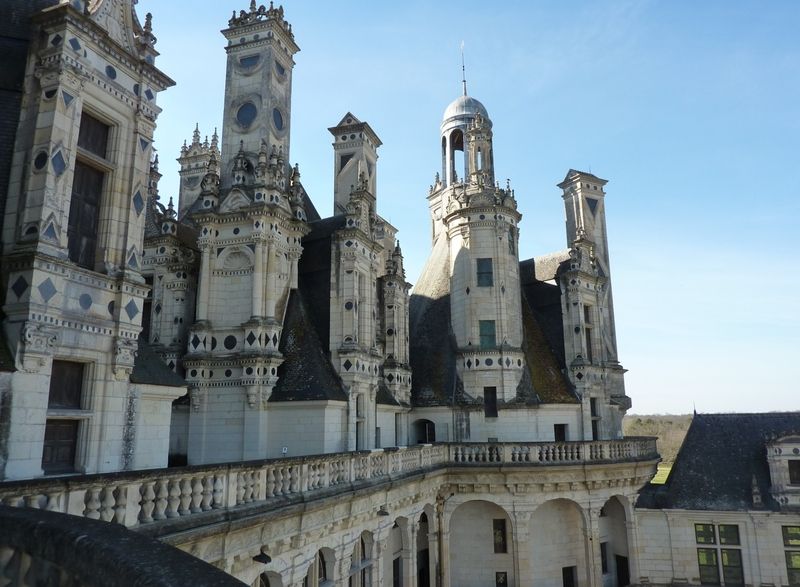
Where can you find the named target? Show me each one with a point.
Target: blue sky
(691, 110)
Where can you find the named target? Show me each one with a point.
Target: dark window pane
(499, 533)
(707, 562)
(732, 572)
(728, 534)
(704, 534)
(791, 535)
(485, 274)
(793, 566)
(84, 212)
(490, 402)
(604, 557)
(487, 334)
(66, 383)
(560, 432)
(794, 472)
(93, 135)
(60, 440)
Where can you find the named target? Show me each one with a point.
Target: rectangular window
(589, 352)
(490, 402)
(93, 135)
(485, 274)
(587, 314)
(707, 561)
(793, 566)
(84, 214)
(728, 534)
(569, 576)
(560, 432)
(604, 557)
(732, 573)
(487, 334)
(704, 534)
(499, 536)
(66, 384)
(397, 573)
(593, 407)
(501, 579)
(794, 472)
(61, 435)
(595, 429)
(791, 535)
(60, 442)
(87, 191)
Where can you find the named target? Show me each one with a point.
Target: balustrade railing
(134, 498)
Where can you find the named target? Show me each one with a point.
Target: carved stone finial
(148, 23)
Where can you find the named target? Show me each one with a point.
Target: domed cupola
(461, 115)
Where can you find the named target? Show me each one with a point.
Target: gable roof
(718, 460)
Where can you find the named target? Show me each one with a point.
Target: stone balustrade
(135, 498)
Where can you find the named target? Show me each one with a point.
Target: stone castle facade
(239, 324)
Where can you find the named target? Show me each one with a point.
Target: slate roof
(150, 369)
(306, 373)
(715, 466)
(433, 349)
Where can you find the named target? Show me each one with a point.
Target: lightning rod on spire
(463, 70)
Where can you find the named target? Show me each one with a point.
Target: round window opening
(246, 114)
(277, 118)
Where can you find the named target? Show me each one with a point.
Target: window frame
(105, 165)
(485, 338)
(484, 272)
(81, 415)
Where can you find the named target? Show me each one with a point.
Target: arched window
(317, 575)
(360, 564)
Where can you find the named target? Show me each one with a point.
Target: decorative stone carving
(124, 356)
(38, 342)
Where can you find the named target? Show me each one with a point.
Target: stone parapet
(144, 497)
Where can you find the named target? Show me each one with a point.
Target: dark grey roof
(306, 373)
(149, 368)
(715, 466)
(543, 268)
(432, 352)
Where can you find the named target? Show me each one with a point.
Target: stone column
(633, 550)
(272, 274)
(522, 547)
(409, 554)
(433, 552)
(594, 572)
(258, 279)
(205, 281)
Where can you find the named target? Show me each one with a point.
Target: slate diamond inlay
(195, 341)
(47, 290)
(59, 164)
(275, 339)
(251, 338)
(143, 143)
(149, 94)
(74, 43)
(20, 285)
(67, 97)
(158, 309)
(131, 309)
(138, 202)
(56, 40)
(347, 365)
